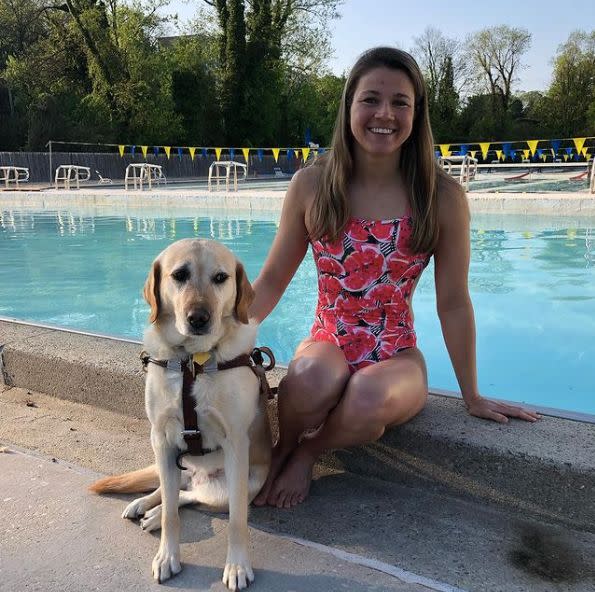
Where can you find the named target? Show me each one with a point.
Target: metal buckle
(175, 365)
(190, 433)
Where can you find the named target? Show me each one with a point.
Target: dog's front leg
(238, 571)
(167, 561)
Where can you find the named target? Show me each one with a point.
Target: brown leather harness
(191, 368)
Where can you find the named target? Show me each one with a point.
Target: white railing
(68, 173)
(13, 174)
(466, 165)
(141, 173)
(228, 166)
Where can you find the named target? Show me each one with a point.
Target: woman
(374, 209)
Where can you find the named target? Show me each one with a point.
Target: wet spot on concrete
(549, 555)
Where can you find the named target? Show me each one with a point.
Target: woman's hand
(499, 412)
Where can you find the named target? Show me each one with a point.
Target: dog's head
(195, 288)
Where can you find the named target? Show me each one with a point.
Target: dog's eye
(180, 275)
(220, 277)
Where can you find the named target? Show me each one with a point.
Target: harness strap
(190, 369)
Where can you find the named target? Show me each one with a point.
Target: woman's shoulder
(451, 198)
(304, 185)
(308, 178)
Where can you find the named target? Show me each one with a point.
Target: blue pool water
(532, 282)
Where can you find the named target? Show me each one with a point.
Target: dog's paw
(166, 564)
(237, 574)
(152, 519)
(135, 509)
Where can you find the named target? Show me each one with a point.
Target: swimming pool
(532, 281)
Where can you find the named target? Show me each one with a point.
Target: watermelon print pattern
(365, 283)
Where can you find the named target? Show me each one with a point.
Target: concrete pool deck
(444, 492)
(270, 199)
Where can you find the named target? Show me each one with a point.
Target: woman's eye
(220, 277)
(180, 275)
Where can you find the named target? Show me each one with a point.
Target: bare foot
(293, 484)
(277, 461)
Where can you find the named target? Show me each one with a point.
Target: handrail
(227, 165)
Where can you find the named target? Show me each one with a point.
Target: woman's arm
(455, 309)
(288, 248)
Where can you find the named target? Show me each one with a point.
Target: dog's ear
(244, 294)
(151, 291)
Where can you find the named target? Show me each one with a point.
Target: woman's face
(382, 111)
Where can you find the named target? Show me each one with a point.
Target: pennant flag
(275, 153)
(245, 152)
(179, 153)
(565, 157)
(155, 150)
(464, 149)
(167, 150)
(568, 151)
(290, 153)
(232, 153)
(556, 146)
(437, 153)
(205, 151)
(144, 150)
(321, 150)
(132, 149)
(121, 149)
(260, 153)
(445, 149)
(579, 143)
(539, 152)
(218, 153)
(512, 154)
(305, 153)
(584, 152)
(473, 153)
(526, 153)
(192, 150)
(532, 146)
(499, 154)
(507, 148)
(485, 146)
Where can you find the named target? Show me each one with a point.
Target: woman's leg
(385, 394)
(313, 385)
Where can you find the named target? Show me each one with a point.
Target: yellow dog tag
(201, 358)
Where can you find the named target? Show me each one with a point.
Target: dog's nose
(198, 318)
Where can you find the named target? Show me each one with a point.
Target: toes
(237, 576)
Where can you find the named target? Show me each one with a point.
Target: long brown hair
(330, 210)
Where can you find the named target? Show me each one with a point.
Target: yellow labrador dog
(199, 296)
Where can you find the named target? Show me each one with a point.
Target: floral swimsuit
(365, 283)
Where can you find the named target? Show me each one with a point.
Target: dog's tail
(145, 479)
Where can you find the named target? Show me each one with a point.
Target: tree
(572, 92)
(446, 72)
(496, 54)
(257, 47)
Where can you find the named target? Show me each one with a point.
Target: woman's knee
(314, 381)
(374, 402)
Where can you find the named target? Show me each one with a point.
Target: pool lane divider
(545, 470)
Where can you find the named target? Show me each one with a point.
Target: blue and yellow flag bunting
(552, 149)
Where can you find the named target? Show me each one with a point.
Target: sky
(367, 23)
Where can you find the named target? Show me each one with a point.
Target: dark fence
(114, 166)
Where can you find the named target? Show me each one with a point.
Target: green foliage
(253, 74)
(571, 108)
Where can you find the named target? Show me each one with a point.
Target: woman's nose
(385, 110)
